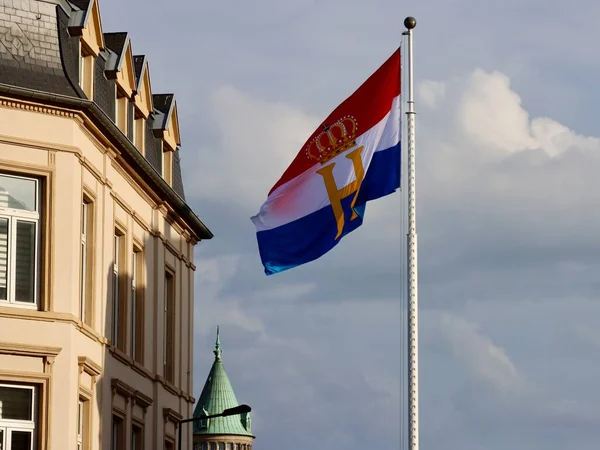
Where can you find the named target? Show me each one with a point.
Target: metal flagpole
(413, 300)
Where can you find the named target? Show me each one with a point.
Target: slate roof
(138, 65)
(38, 62)
(163, 103)
(217, 395)
(116, 41)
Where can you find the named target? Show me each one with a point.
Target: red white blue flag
(352, 158)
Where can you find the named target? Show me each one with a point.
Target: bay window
(20, 212)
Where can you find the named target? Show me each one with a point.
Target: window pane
(15, 403)
(3, 259)
(20, 440)
(18, 193)
(25, 267)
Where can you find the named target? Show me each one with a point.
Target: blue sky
(508, 155)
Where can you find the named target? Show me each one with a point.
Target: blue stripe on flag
(311, 236)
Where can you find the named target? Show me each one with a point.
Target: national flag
(353, 157)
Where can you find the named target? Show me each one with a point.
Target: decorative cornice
(88, 366)
(40, 351)
(139, 398)
(38, 108)
(172, 415)
(122, 388)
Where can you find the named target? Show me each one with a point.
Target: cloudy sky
(508, 156)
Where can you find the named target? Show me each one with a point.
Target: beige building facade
(96, 239)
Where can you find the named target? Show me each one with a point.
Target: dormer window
(86, 71)
(119, 67)
(167, 164)
(86, 24)
(139, 132)
(142, 102)
(121, 107)
(166, 127)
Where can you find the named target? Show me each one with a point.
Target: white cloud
(487, 361)
(257, 140)
(431, 92)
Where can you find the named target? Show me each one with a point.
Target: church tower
(220, 433)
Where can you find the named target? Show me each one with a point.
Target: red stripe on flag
(368, 104)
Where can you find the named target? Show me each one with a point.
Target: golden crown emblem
(333, 140)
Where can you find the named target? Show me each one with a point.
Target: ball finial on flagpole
(410, 23)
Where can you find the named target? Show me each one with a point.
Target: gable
(143, 99)
(171, 133)
(92, 35)
(126, 74)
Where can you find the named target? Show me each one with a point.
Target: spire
(217, 351)
(217, 396)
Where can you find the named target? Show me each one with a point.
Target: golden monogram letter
(337, 195)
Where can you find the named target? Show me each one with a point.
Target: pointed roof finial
(217, 351)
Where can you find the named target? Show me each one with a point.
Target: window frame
(117, 440)
(13, 216)
(137, 426)
(86, 277)
(30, 426)
(169, 320)
(137, 304)
(167, 165)
(86, 70)
(119, 291)
(80, 424)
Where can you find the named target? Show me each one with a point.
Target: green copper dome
(217, 395)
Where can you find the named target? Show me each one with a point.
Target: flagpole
(413, 300)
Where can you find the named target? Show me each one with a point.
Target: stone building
(96, 239)
(220, 433)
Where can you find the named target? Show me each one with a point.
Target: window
(121, 111)
(221, 446)
(82, 423)
(85, 279)
(118, 435)
(86, 71)
(169, 445)
(19, 240)
(119, 296)
(18, 414)
(139, 131)
(169, 327)
(213, 446)
(137, 305)
(167, 165)
(137, 437)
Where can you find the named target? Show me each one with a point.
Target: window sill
(120, 355)
(90, 332)
(32, 313)
(169, 386)
(20, 305)
(128, 361)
